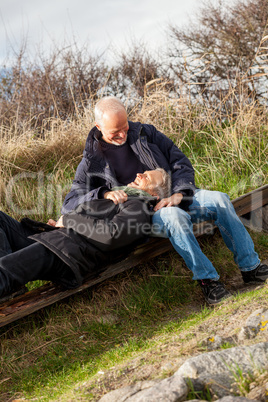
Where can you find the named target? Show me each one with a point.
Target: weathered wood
(258, 219)
(46, 295)
(251, 201)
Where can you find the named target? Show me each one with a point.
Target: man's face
(147, 181)
(114, 127)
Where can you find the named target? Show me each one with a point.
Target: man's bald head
(111, 120)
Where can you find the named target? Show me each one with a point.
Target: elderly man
(116, 149)
(86, 240)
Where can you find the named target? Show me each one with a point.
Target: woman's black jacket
(97, 233)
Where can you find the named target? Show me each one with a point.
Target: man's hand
(51, 222)
(175, 199)
(118, 196)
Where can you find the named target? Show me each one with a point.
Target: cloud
(97, 23)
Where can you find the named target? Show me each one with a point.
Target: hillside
(141, 325)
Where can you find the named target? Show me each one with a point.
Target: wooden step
(48, 294)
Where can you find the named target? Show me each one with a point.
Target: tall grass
(47, 354)
(135, 320)
(50, 352)
(228, 155)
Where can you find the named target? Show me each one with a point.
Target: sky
(97, 23)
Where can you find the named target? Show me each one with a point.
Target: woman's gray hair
(110, 103)
(163, 189)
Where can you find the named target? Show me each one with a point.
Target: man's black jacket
(153, 149)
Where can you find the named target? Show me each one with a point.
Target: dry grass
(36, 171)
(105, 329)
(69, 342)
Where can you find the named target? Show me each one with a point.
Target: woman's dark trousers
(22, 259)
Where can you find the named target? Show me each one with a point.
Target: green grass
(160, 291)
(47, 354)
(57, 371)
(228, 158)
(200, 395)
(227, 163)
(242, 380)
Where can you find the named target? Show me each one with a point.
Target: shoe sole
(256, 282)
(209, 301)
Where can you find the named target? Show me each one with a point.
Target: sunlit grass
(50, 353)
(47, 354)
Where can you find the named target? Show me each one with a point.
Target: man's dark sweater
(125, 164)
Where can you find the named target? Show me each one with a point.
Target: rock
(256, 322)
(169, 366)
(214, 342)
(227, 360)
(216, 369)
(172, 389)
(234, 399)
(189, 369)
(196, 385)
(218, 384)
(217, 342)
(196, 400)
(122, 394)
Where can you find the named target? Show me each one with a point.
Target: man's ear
(98, 126)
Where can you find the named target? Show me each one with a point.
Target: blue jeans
(177, 225)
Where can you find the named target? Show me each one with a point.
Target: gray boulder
(217, 370)
(172, 389)
(256, 322)
(234, 399)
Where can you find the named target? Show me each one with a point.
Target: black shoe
(8, 296)
(214, 291)
(257, 275)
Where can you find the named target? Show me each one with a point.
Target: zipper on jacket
(144, 153)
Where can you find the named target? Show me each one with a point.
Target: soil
(164, 360)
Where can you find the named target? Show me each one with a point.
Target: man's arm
(87, 185)
(172, 159)
(173, 200)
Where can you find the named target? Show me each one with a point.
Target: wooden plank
(46, 295)
(251, 201)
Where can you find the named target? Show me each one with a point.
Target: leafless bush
(221, 51)
(58, 85)
(66, 83)
(217, 64)
(135, 67)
